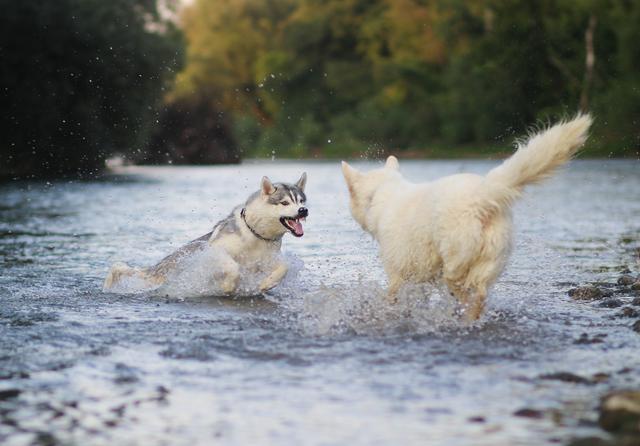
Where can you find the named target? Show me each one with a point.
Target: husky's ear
(302, 182)
(392, 163)
(267, 186)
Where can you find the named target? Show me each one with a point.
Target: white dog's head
(362, 187)
(278, 208)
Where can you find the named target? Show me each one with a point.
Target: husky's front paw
(273, 279)
(229, 283)
(266, 286)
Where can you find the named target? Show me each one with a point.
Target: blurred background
(215, 81)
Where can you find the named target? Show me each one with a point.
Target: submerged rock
(636, 326)
(589, 441)
(611, 303)
(626, 279)
(620, 411)
(7, 394)
(619, 440)
(585, 339)
(529, 413)
(565, 377)
(588, 292)
(628, 312)
(477, 419)
(636, 302)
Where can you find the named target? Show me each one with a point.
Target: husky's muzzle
(293, 224)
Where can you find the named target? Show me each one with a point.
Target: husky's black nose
(303, 212)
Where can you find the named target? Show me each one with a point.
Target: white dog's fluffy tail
(542, 154)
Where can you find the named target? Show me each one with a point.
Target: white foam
(363, 308)
(198, 275)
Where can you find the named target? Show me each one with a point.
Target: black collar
(253, 231)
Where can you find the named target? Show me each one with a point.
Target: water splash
(363, 308)
(199, 275)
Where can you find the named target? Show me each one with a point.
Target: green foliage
(81, 80)
(338, 77)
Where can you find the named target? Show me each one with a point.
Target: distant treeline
(81, 80)
(338, 77)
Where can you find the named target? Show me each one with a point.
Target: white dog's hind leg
(473, 302)
(395, 284)
(274, 278)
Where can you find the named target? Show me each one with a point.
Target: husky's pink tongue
(297, 227)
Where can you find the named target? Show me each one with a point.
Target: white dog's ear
(392, 163)
(348, 171)
(302, 182)
(267, 186)
(350, 174)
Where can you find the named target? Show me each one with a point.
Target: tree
(81, 80)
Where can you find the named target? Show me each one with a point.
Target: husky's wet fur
(456, 229)
(249, 239)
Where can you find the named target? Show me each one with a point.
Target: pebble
(620, 411)
(587, 292)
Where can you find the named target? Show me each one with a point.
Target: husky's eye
(284, 203)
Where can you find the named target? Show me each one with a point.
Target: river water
(321, 360)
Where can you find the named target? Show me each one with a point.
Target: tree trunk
(590, 60)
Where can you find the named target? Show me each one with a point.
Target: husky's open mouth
(293, 224)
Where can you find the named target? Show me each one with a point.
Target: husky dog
(457, 228)
(249, 239)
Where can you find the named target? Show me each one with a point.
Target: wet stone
(600, 377)
(589, 441)
(636, 286)
(529, 413)
(636, 302)
(125, 374)
(14, 375)
(620, 412)
(610, 303)
(565, 377)
(587, 292)
(585, 339)
(46, 439)
(628, 312)
(636, 326)
(478, 419)
(626, 279)
(8, 394)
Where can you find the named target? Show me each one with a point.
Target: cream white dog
(248, 240)
(457, 229)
